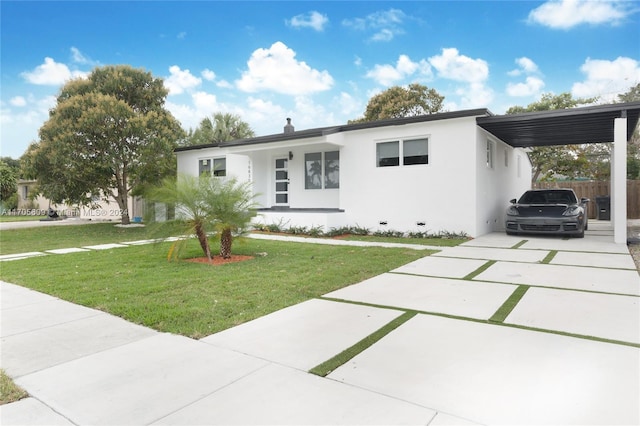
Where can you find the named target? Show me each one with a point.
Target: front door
(282, 182)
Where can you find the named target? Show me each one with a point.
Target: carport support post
(619, 180)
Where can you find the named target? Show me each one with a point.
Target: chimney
(289, 127)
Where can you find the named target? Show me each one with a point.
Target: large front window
(322, 170)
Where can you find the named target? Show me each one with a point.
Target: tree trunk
(204, 241)
(226, 240)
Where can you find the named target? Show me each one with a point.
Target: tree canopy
(109, 135)
(398, 101)
(224, 127)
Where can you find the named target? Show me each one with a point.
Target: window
(322, 170)
(388, 154)
(506, 157)
(414, 151)
(217, 166)
(490, 149)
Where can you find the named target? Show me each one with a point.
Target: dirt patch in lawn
(217, 260)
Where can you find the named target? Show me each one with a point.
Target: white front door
(282, 182)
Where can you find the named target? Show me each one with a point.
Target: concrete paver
(607, 316)
(594, 243)
(30, 412)
(285, 396)
(31, 351)
(501, 375)
(441, 267)
(304, 335)
(66, 250)
(485, 253)
(561, 276)
(137, 383)
(105, 246)
(600, 260)
(438, 295)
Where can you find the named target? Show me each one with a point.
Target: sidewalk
(568, 352)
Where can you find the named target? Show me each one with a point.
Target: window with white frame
(490, 153)
(412, 151)
(212, 167)
(322, 170)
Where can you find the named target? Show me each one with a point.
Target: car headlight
(513, 211)
(572, 211)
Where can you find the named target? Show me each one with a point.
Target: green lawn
(10, 218)
(55, 237)
(138, 283)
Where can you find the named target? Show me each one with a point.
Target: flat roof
(572, 126)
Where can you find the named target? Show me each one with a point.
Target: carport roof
(561, 127)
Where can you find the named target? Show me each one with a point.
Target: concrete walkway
(508, 330)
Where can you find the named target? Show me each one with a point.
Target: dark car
(548, 211)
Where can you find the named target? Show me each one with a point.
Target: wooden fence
(593, 189)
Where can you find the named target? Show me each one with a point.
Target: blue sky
(317, 62)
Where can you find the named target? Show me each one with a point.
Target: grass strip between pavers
(480, 270)
(520, 244)
(503, 312)
(343, 357)
(549, 257)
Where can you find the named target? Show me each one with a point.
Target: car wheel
(586, 226)
(580, 235)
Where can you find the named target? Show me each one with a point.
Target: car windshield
(548, 197)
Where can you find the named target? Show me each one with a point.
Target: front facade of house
(431, 173)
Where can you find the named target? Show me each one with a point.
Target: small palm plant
(232, 208)
(207, 205)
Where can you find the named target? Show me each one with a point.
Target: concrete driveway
(507, 330)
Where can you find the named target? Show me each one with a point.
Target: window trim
(211, 161)
(323, 170)
(401, 150)
(490, 151)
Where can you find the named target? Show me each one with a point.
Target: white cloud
(313, 19)
(18, 101)
(565, 14)
(475, 95)
(385, 24)
(451, 65)
(387, 74)
(224, 84)
(531, 86)
(349, 106)
(182, 35)
(80, 58)
(525, 65)
(51, 73)
(208, 75)
(277, 69)
(180, 80)
(607, 79)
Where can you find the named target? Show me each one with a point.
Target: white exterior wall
(436, 193)
(496, 185)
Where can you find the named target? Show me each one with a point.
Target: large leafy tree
(567, 160)
(398, 101)
(8, 179)
(109, 135)
(223, 127)
(207, 205)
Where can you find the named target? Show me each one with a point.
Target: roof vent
(289, 127)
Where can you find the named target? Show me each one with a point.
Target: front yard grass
(138, 284)
(55, 237)
(9, 391)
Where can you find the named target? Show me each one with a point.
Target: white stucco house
(431, 173)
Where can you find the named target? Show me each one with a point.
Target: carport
(595, 124)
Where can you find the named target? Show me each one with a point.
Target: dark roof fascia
(323, 131)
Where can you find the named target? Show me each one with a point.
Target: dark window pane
(281, 174)
(313, 170)
(219, 166)
(204, 167)
(415, 152)
(281, 163)
(282, 198)
(282, 186)
(388, 154)
(332, 169)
